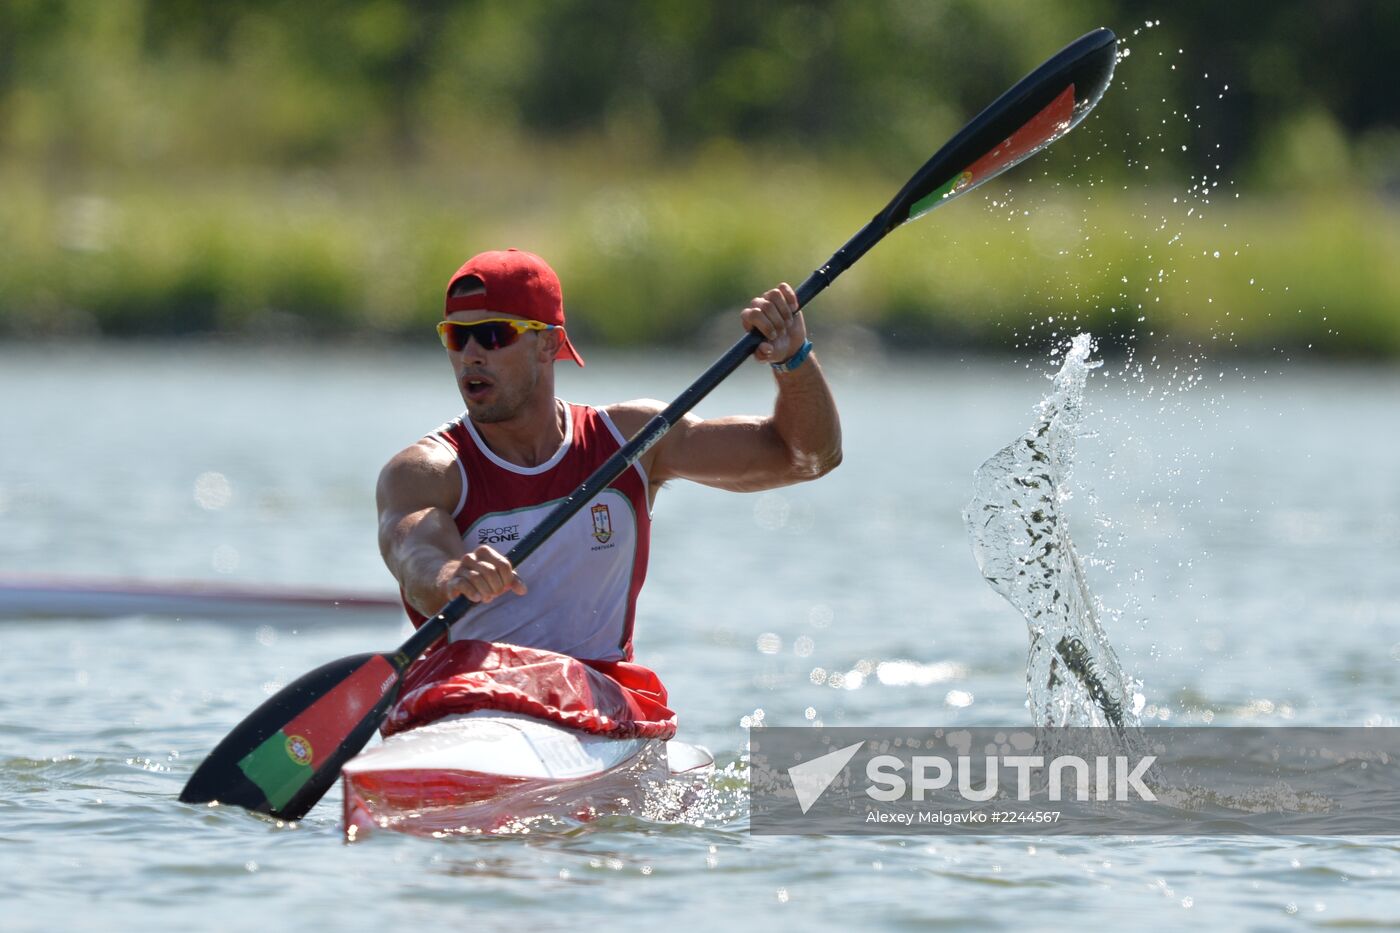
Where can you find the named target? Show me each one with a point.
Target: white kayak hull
(491, 771)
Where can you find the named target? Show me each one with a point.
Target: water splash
(1021, 541)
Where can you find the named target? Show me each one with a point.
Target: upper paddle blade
(287, 753)
(1040, 108)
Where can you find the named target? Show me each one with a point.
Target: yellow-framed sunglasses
(492, 333)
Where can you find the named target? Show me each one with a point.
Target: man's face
(497, 384)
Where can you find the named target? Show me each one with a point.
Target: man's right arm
(417, 492)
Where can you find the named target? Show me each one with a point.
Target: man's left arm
(800, 441)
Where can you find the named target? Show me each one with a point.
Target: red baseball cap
(517, 283)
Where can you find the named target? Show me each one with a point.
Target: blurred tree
(186, 83)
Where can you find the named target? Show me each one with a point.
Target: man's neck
(528, 439)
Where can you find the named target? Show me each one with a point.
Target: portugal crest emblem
(298, 749)
(602, 523)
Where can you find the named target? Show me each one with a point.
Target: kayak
(489, 771)
(35, 597)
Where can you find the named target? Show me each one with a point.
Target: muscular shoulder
(631, 417)
(420, 476)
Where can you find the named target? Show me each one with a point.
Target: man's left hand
(775, 315)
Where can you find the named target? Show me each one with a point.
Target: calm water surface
(1244, 534)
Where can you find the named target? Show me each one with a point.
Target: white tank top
(584, 580)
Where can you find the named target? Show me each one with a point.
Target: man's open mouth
(477, 386)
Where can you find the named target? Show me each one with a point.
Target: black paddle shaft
(1085, 66)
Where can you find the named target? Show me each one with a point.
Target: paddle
(282, 758)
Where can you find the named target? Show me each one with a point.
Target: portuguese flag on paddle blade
(282, 757)
(286, 760)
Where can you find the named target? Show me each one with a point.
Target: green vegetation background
(266, 167)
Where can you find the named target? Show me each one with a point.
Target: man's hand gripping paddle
(282, 758)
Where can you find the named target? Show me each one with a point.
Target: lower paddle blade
(287, 753)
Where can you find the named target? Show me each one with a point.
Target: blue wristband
(794, 361)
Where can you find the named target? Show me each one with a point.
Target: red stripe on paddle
(1040, 129)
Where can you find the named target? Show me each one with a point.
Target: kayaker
(452, 504)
